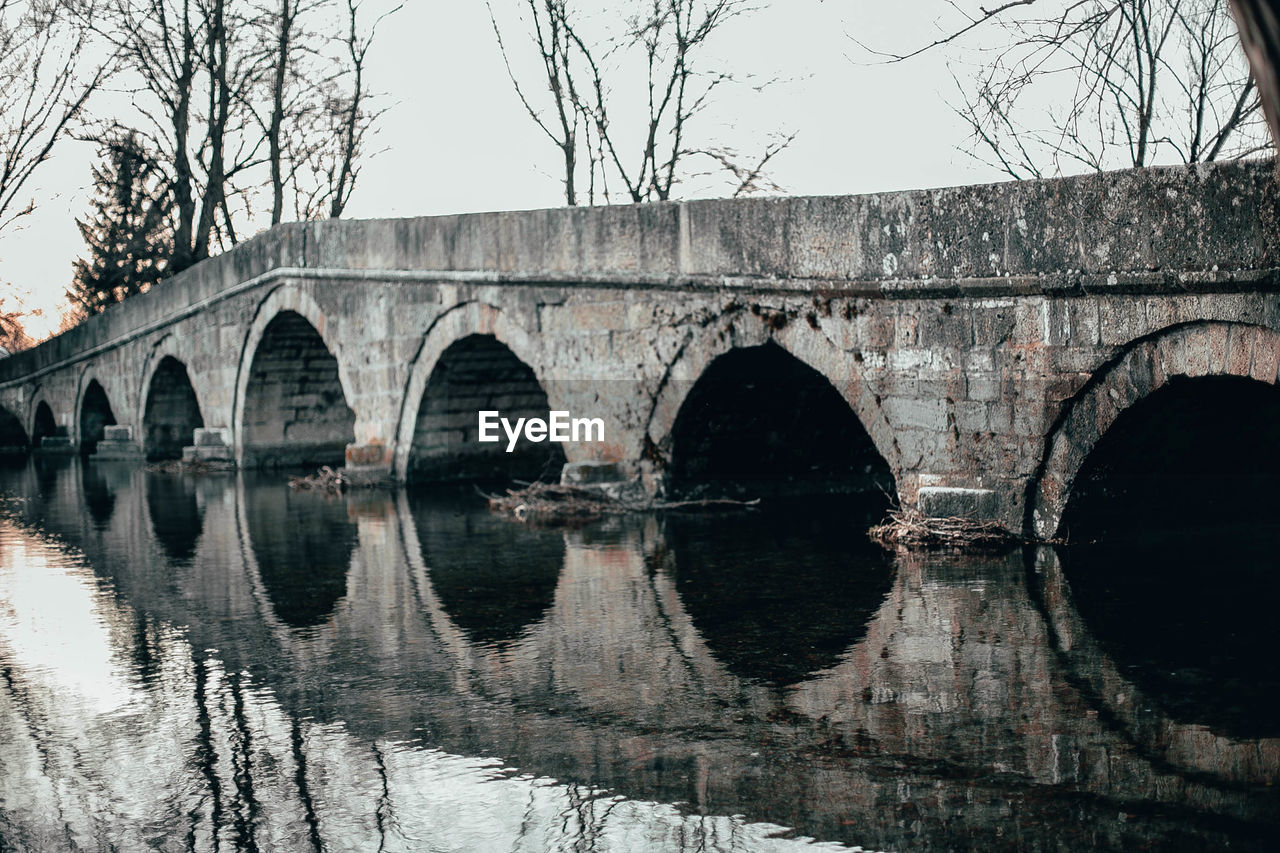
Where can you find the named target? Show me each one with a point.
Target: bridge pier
(117, 442)
(210, 444)
(369, 464)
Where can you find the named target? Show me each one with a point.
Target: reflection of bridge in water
(965, 708)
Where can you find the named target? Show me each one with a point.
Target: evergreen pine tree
(129, 234)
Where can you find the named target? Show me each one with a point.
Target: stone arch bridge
(982, 339)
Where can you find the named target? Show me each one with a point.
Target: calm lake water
(218, 663)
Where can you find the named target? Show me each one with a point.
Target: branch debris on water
(913, 529)
(548, 503)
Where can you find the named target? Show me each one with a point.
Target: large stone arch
(285, 298)
(1191, 350)
(456, 323)
(811, 346)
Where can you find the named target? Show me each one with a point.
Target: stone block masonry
(984, 337)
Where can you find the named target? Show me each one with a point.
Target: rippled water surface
(219, 663)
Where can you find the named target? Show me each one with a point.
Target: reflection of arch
(1194, 350)
(577, 638)
(302, 544)
(94, 415)
(811, 347)
(461, 321)
(169, 408)
(292, 409)
(1183, 745)
(771, 621)
(99, 494)
(13, 438)
(176, 517)
(491, 591)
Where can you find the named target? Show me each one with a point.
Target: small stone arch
(282, 300)
(42, 420)
(810, 346)
(93, 412)
(168, 406)
(455, 324)
(169, 346)
(1191, 350)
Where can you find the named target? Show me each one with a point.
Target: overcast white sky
(457, 140)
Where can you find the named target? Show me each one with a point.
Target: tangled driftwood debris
(912, 528)
(324, 480)
(548, 503)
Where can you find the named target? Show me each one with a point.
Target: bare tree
(667, 38)
(1100, 84)
(315, 111)
(192, 68)
(48, 70)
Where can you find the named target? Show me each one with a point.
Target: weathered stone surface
(587, 473)
(117, 432)
(952, 502)
(969, 329)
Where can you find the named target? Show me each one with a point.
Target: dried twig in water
(557, 504)
(911, 528)
(324, 480)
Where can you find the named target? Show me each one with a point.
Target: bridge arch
(467, 326)
(93, 412)
(13, 436)
(1190, 351)
(293, 391)
(809, 347)
(43, 423)
(170, 407)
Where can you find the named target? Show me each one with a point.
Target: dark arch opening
(1196, 454)
(1180, 583)
(479, 373)
(779, 593)
(13, 438)
(494, 579)
(44, 424)
(295, 413)
(172, 413)
(303, 542)
(95, 416)
(176, 517)
(761, 423)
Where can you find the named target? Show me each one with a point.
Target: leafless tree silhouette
(667, 38)
(1101, 84)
